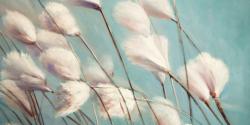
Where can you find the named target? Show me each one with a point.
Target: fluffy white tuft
(165, 112)
(16, 97)
(94, 74)
(70, 97)
(62, 63)
(197, 85)
(144, 52)
(19, 27)
(47, 39)
(162, 43)
(158, 8)
(213, 71)
(62, 17)
(132, 16)
(113, 101)
(21, 68)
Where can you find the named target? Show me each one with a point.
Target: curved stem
(175, 94)
(162, 86)
(209, 107)
(219, 106)
(94, 110)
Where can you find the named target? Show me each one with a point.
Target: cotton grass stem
(209, 107)
(221, 110)
(175, 94)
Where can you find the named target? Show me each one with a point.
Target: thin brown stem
(209, 107)
(219, 106)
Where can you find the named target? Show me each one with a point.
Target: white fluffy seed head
(94, 4)
(162, 43)
(197, 85)
(113, 101)
(143, 52)
(21, 68)
(15, 97)
(19, 27)
(158, 8)
(132, 16)
(165, 112)
(214, 72)
(62, 17)
(94, 74)
(47, 39)
(62, 63)
(70, 97)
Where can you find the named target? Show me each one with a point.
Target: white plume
(62, 17)
(94, 74)
(165, 112)
(113, 101)
(62, 63)
(21, 68)
(158, 8)
(132, 16)
(70, 97)
(95, 4)
(197, 85)
(162, 43)
(19, 26)
(213, 71)
(144, 52)
(47, 39)
(16, 97)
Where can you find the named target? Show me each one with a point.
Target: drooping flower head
(113, 101)
(61, 62)
(144, 52)
(63, 20)
(47, 39)
(70, 97)
(213, 72)
(21, 68)
(132, 16)
(15, 97)
(165, 112)
(19, 27)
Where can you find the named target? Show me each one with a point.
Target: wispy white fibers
(21, 68)
(213, 72)
(165, 112)
(16, 97)
(144, 52)
(61, 62)
(132, 16)
(94, 74)
(197, 84)
(19, 26)
(158, 8)
(162, 43)
(47, 39)
(62, 17)
(70, 96)
(94, 4)
(113, 100)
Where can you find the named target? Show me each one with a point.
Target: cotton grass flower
(132, 16)
(94, 74)
(47, 39)
(19, 26)
(214, 73)
(113, 100)
(61, 62)
(70, 97)
(94, 4)
(16, 97)
(21, 68)
(144, 52)
(62, 19)
(158, 8)
(165, 112)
